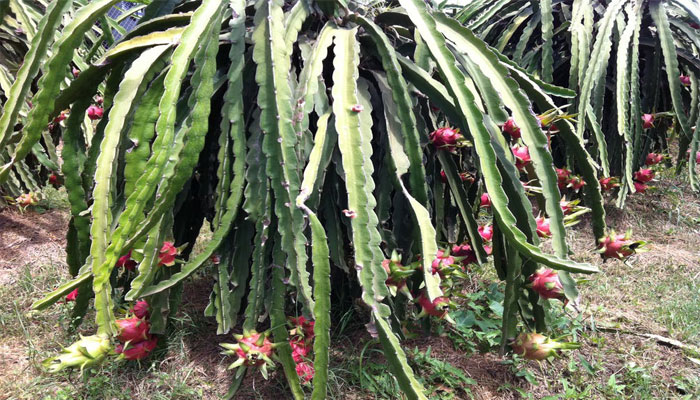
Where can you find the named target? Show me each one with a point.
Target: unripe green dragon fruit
(86, 352)
(534, 346)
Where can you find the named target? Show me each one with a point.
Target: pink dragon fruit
(127, 262)
(465, 251)
(253, 350)
(522, 156)
(72, 295)
(648, 121)
(305, 371)
(53, 180)
(619, 246)
(640, 187)
(644, 175)
(576, 182)
(446, 137)
(510, 128)
(442, 261)
(302, 327)
(167, 254)
(543, 230)
(546, 283)
(464, 176)
(485, 201)
(140, 309)
(132, 329)
(534, 346)
(95, 112)
(610, 183)
(437, 308)
(75, 72)
(138, 350)
(300, 349)
(486, 232)
(653, 159)
(685, 80)
(563, 175)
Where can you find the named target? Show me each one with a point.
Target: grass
(656, 292)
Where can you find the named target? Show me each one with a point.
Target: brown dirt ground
(665, 220)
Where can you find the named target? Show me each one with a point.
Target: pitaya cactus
(534, 346)
(653, 159)
(644, 175)
(127, 262)
(138, 350)
(648, 121)
(132, 329)
(486, 232)
(446, 138)
(305, 371)
(543, 229)
(253, 350)
(167, 254)
(86, 352)
(610, 183)
(510, 128)
(437, 308)
(619, 246)
(485, 200)
(685, 80)
(522, 156)
(95, 112)
(140, 309)
(546, 283)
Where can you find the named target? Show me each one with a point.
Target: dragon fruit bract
(253, 350)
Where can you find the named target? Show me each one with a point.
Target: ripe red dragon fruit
(619, 246)
(485, 201)
(167, 254)
(138, 350)
(305, 371)
(300, 348)
(640, 187)
(510, 128)
(522, 156)
(441, 262)
(543, 230)
(464, 176)
(446, 137)
(253, 350)
(132, 329)
(534, 346)
(486, 232)
(75, 72)
(126, 262)
(466, 252)
(644, 175)
(610, 183)
(648, 121)
(95, 112)
(302, 327)
(694, 25)
(653, 159)
(546, 283)
(60, 117)
(53, 180)
(72, 295)
(396, 273)
(563, 175)
(436, 308)
(576, 182)
(140, 309)
(685, 80)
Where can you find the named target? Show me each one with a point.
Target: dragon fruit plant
(619, 246)
(535, 346)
